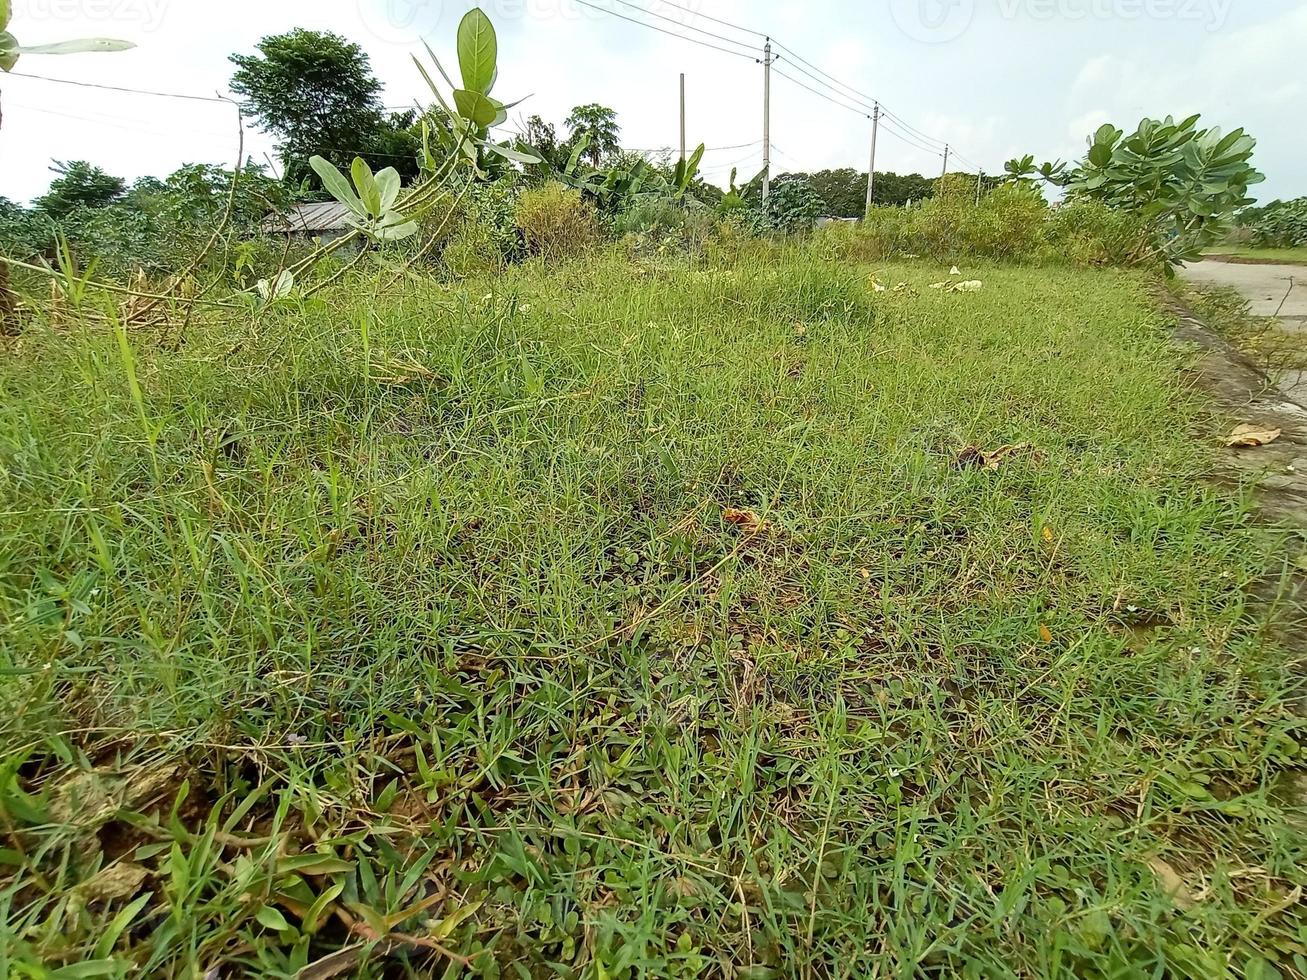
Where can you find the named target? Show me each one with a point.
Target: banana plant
(11, 50)
(371, 200)
(463, 125)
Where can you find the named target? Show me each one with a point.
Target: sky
(994, 78)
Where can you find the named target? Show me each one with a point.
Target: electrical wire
(821, 95)
(655, 27)
(715, 20)
(119, 88)
(688, 27)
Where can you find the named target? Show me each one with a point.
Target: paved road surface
(1269, 289)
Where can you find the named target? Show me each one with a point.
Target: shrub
(473, 249)
(658, 216)
(1283, 225)
(1089, 232)
(555, 222)
(794, 206)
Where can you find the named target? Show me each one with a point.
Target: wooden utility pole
(682, 115)
(871, 171)
(766, 120)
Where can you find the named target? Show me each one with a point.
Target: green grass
(1278, 256)
(639, 620)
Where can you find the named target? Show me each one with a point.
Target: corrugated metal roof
(310, 219)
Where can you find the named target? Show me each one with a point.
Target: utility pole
(980, 180)
(946, 149)
(871, 171)
(766, 121)
(682, 115)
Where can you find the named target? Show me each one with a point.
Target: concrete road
(1265, 286)
(1269, 289)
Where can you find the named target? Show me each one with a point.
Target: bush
(1283, 225)
(1089, 232)
(555, 222)
(1012, 223)
(655, 216)
(473, 249)
(794, 206)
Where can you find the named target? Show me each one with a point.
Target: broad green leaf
(271, 918)
(8, 51)
(508, 153)
(366, 185)
(6, 11)
(80, 46)
(336, 184)
(478, 51)
(393, 227)
(388, 183)
(475, 106)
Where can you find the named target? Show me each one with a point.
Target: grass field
(620, 620)
(1276, 256)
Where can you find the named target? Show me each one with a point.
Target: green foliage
(1011, 223)
(315, 92)
(79, 184)
(1185, 182)
(1281, 224)
(793, 207)
(11, 50)
(556, 222)
(371, 200)
(597, 126)
(460, 127)
(640, 620)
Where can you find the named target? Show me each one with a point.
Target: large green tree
(79, 185)
(599, 123)
(316, 93)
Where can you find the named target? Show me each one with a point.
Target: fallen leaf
(1048, 535)
(955, 271)
(970, 286)
(1173, 884)
(1045, 633)
(878, 287)
(1252, 436)
(938, 285)
(973, 457)
(746, 520)
(118, 881)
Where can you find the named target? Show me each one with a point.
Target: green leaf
(508, 153)
(8, 51)
(478, 50)
(393, 228)
(86, 45)
(109, 938)
(271, 918)
(475, 107)
(314, 864)
(388, 183)
(366, 185)
(6, 11)
(336, 184)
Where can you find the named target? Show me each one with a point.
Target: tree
(317, 94)
(599, 123)
(79, 185)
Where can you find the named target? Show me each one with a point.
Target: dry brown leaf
(1252, 436)
(1045, 633)
(1048, 535)
(1173, 884)
(746, 520)
(118, 881)
(973, 457)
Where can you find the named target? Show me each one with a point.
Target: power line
(822, 95)
(688, 27)
(715, 20)
(661, 30)
(910, 141)
(118, 88)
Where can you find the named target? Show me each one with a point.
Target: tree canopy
(599, 123)
(79, 184)
(317, 94)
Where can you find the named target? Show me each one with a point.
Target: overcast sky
(997, 78)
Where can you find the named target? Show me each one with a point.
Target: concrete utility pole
(682, 115)
(980, 180)
(871, 171)
(946, 148)
(766, 120)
